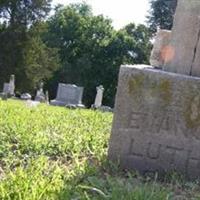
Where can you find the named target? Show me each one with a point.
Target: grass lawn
(52, 153)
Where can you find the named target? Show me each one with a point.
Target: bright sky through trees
(121, 12)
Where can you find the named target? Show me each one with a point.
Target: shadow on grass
(107, 181)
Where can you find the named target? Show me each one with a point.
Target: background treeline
(72, 45)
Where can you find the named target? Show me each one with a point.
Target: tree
(140, 52)
(23, 52)
(40, 61)
(91, 51)
(161, 14)
(24, 12)
(81, 39)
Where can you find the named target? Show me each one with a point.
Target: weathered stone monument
(6, 88)
(98, 101)
(47, 97)
(12, 85)
(9, 88)
(156, 125)
(68, 95)
(99, 97)
(40, 96)
(184, 48)
(160, 48)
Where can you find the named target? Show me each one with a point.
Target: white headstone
(12, 85)
(40, 96)
(99, 97)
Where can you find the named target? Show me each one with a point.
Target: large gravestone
(184, 49)
(160, 48)
(68, 94)
(156, 125)
(156, 121)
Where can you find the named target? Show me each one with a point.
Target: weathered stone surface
(40, 96)
(68, 94)
(160, 48)
(6, 88)
(157, 121)
(9, 88)
(12, 85)
(99, 97)
(184, 50)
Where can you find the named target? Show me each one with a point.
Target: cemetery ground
(53, 153)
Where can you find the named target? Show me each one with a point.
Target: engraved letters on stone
(156, 123)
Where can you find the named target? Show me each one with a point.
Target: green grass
(51, 153)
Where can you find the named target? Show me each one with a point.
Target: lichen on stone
(165, 89)
(192, 112)
(135, 83)
(162, 89)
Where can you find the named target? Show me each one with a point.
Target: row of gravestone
(67, 95)
(71, 96)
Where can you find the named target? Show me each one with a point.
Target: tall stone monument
(156, 125)
(12, 85)
(99, 97)
(184, 51)
(40, 96)
(160, 48)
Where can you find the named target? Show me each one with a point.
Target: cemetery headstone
(40, 96)
(68, 95)
(6, 88)
(99, 97)
(156, 125)
(47, 97)
(184, 48)
(160, 48)
(9, 88)
(12, 85)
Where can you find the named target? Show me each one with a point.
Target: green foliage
(40, 61)
(91, 51)
(22, 51)
(40, 179)
(161, 14)
(140, 51)
(72, 46)
(23, 12)
(52, 153)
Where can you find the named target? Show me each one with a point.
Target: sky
(122, 12)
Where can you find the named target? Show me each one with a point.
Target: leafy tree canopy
(161, 14)
(24, 11)
(91, 51)
(22, 51)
